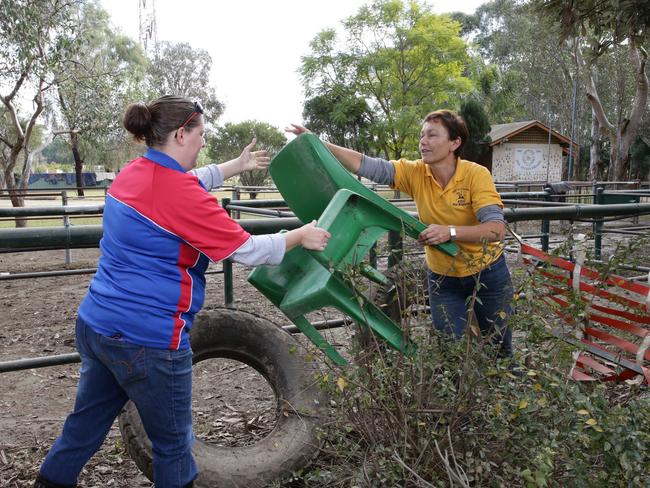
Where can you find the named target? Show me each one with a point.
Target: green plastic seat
(317, 187)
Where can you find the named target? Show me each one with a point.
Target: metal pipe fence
(88, 236)
(72, 358)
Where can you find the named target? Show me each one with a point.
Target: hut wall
(518, 161)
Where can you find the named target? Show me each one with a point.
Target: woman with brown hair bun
(161, 229)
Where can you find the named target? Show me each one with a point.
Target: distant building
(523, 151)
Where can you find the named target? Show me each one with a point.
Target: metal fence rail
(25, 239)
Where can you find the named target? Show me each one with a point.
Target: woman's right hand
(296, 129)
(308, 236)
(313, 237)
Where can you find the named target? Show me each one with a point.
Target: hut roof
(500, 133)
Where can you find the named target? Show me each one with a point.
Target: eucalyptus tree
(228, 141)
(523, 57)
(180, 69)
(37, 142)
(35, 37)
(99, 77)
(400, 58)
(543, 73)
(598, 28)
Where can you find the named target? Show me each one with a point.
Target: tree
(538, 77)
(179, 69)
(34, 38)
(521, 72)
(37, 142)
(401, 59)
(640, 159)
(103, 73)
(475, 148)
(596, 28)
(58, 152)
(344, 118)
(228, 142)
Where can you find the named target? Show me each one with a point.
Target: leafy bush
(453, 414)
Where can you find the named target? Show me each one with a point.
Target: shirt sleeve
(484, 192)
(490, 213)
(404, 175)
(258, 250)
(211, 176)
(377, 169)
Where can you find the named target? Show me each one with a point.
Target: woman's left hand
(250, 159)
(434, 235)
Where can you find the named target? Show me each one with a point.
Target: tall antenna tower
(148, 27)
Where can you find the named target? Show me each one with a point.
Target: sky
(255, 45)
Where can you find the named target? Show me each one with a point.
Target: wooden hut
(528, 151)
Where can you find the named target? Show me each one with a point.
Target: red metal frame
(616, 322)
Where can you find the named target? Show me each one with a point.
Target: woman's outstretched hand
(296, 129)
(250, 159)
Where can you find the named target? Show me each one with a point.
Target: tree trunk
(78, 163)
(16, 196)
(23, 136)
(594, 148)
(625, 137)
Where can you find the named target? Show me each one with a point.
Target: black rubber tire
(275, 354)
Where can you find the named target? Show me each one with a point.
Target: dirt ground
(37, 319)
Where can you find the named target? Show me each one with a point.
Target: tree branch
(7, 100)
(596, 104)
(38, 100)
(4, 140)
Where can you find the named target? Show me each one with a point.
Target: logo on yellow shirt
(461, 198)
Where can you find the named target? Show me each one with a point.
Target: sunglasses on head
(198, 109)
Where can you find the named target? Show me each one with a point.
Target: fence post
(546, 224)
(66, 224)
(228, 290)
(236, 195)
(372, 256)
(598, 223)
(395, 248)
(636, 185)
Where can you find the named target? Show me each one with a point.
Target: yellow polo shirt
(470, 189)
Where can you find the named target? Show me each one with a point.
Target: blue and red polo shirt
(161, 228)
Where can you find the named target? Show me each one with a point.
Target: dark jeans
(449, 297)
(158, 381)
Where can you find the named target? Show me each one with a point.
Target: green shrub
(453, 414)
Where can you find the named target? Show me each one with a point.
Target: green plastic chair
(307, 281)
(317, 187)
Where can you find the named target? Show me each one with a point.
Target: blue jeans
(449, 301)
(158, 381)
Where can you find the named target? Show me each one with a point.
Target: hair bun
(137, 120)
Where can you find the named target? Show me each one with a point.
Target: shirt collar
(162, 159)
(459, 173)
